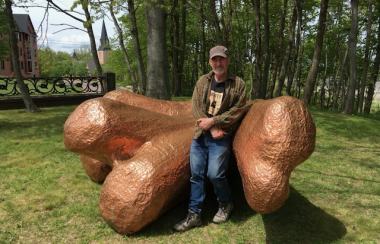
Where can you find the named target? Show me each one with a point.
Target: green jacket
(232, 107)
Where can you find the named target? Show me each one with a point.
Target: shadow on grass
(164, 224)
(300, 221)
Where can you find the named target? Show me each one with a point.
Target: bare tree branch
(199, 11)
(175, 3)
(69, 29)
(72, 27)
(64, 11)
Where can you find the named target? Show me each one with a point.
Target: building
(27, 48)
(104, 50)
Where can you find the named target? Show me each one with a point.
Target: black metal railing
(53, 85)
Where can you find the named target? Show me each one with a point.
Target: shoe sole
(195, 226)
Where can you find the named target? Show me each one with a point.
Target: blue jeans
(210, 156)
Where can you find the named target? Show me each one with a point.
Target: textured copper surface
(146, 142)
(274, 137)
(95, 169)
(148, 153)
(174, 108)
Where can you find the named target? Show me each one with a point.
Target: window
(20, 51)
(30, 68)
(22, 65)
(19, 36)
(2, 64)
(35, 65)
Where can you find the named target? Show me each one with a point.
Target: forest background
(323, 52)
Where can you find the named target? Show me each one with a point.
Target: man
(218, 103)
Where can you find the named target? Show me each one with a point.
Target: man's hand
(217, 133)
(205, 123)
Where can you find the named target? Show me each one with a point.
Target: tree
(372, 83)
(158, 79)
(285, 60)
(84, 53)
(4, 41)
(29, 104)
(122, 47)
(366, 58)
(352, 42)
(86, 24)
(311, 77)
(278, 51)
(256, 10)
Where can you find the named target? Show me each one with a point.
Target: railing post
(110, 81)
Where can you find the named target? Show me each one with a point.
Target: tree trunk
(158, 80)
(372, 83)
(310, 81)
(265, 74)
(344, 94)
(29, 104)
(285, 61)
(278, 51)
(203, 43)
(215, 18)
(91, 36)
(298, 93)
(353, 69)
(322, 97)
(175, 54)
(295, 54)
(178, 91)
(136, 46)
(256, 11)
(121, 43)
(366, 58)
(341, 79)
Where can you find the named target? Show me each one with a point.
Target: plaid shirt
(232, 107)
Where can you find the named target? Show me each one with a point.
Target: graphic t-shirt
(217, 95)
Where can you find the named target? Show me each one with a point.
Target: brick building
(27, 48)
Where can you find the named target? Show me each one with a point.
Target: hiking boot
(192, 220)
(223, 213)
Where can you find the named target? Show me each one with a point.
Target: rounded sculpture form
(275, 136)
(140, 148)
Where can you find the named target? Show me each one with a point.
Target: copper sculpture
(140, 146)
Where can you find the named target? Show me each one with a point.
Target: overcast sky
(66, 40)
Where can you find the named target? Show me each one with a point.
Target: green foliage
(84, 53)
(4, 39)
(59, 64)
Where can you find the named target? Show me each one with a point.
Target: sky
(66, 40)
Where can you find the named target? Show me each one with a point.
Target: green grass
(46, 197)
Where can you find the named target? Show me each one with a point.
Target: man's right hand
(217, 133)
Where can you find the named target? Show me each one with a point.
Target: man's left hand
(205, 123)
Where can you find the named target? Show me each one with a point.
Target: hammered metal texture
(148, 153)
(173, 108)
(95, 169)
(147, 142)
(274, 137)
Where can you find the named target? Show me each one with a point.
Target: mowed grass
(46, 197)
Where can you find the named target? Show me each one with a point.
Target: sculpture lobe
(275, 136)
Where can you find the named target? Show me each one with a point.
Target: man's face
(219, 64)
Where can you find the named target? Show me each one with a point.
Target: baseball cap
(219, 51)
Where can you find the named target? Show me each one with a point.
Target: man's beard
(219, 72)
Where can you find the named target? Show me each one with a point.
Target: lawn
(46, 197)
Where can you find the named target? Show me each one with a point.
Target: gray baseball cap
(219, 51)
